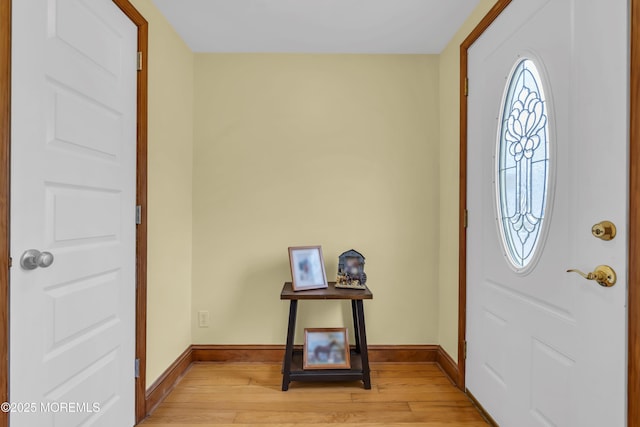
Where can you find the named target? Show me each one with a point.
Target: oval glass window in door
(523, 164)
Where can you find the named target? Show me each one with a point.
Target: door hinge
(10, 262)
(138, 215)
(139, 61)
(466, 86)
(466, 218)
(465, 350)
(137, 368)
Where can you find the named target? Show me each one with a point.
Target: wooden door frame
(5, 176)
(633, 304)
(633, 391)
(141, 199)
(491, 16)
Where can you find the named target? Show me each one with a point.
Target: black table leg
(288, 355)
(366, 373)
(356, 332)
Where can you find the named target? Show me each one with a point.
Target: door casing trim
(488, 19)
(633, 304)
(141, 199)
(633, 391)
(5, 180)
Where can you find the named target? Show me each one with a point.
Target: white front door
(72, 338)
(549, 80)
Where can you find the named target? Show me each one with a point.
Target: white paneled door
(547, 160)
(73, 166)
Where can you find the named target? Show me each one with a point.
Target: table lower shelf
(299, 374)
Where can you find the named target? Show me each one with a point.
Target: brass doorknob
(603, 274)
(604, 230)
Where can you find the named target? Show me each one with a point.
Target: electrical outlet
(203, 319)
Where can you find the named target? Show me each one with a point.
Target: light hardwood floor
(213, 394)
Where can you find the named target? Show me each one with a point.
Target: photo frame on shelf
(326, 348)
(307, 268)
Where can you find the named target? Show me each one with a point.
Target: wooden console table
(292, 366)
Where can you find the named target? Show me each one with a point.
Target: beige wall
(170, 192)
(449, 182)
(336, 150)
(340, 150)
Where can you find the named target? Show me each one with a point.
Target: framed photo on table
(307, 268)
(326, 348)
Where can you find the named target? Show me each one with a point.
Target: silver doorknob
(33, 259)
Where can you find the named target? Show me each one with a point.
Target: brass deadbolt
(604, 230)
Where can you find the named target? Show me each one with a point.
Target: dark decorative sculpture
(351, 273)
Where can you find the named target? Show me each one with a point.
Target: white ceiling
(317, 26)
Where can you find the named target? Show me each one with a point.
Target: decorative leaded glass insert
(523, 164)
